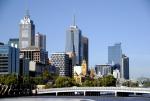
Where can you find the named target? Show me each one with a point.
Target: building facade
(9, 60)
(27, 32)
(61, 62)
(40, 41)
(24, 67)
(103, 70)
(14, 42)
(34, 54)
(73, 42)
(115, 56)
(77, 71)
(125, 67)
(85, 50)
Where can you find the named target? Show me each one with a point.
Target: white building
(116, 74)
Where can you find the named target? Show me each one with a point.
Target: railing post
(84, 93)
(115, 93)
(56, 94)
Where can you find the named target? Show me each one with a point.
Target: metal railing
(112, 89)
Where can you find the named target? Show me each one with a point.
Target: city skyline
(136, 24)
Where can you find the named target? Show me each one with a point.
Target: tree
(64, 82)
(8, 79)
(130, 84)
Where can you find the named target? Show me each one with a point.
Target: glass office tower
(115, 54)
(73, 42)
(9, 59)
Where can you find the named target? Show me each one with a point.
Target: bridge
(116, 90)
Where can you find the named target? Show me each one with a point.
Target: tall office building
(9, 60)
(115, 54)
(85, 50)
(40, 41)
(73, 42)
(125, 67)
(14, 42)
(61, 62)
(27, 32)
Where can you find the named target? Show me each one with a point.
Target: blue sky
(104, 22)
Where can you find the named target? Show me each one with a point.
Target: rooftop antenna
(27, 9)
(74, 20)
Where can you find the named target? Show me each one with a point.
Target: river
(75, 98)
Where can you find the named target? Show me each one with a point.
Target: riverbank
(75, 98)
(15, 90)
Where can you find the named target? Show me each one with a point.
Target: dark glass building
(14, 42)
(125, 67)
(9, 60)
(85, 50)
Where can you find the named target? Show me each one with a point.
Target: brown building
(34, 54)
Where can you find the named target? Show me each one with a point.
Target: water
(75, 98)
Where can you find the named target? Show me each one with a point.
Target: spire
(27, 13)
(74, 20)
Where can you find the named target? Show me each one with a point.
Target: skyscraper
(125, 67)
(115, 54)
(9, 59)
(73, 42)
(40, 41)
(27, 32)
(115, 57)
(14, 42)
(85, 50)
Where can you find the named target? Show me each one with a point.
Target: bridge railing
(95, 88)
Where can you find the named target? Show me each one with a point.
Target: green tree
(64, 82)
(8, 79)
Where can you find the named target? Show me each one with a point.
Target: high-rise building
(73, 42)
(40, 41)
(125, 67)
(85, 50)
(103, 70)
(115, 54)
(9, 60)
(27, 32)
(14, 42)
(61, 62)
